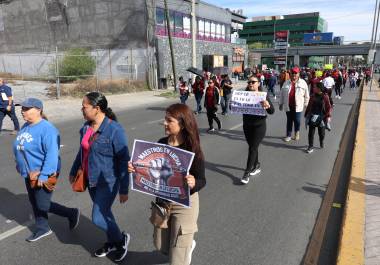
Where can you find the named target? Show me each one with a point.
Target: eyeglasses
(25, 108)
(252, 82)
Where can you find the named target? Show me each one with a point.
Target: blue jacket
(108, 157)
(36, 148)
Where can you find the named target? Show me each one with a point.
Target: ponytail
(110, 114)
(44, 116)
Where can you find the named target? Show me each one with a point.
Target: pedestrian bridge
(326, 50)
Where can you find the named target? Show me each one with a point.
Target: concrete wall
(183, 54)
(40, 25)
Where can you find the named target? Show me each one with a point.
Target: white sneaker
(275, 97)
(287, 139)
(255, 172)
(193, 245)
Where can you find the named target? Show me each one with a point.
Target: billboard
(338, 40)
(318, 38)
(281, 47)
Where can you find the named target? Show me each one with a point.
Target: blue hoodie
(36, 148)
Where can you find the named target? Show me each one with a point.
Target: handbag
(160, 214)
(79, 183)
(315, 120)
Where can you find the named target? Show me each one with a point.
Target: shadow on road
(220, 169)
(156, 108)
(317, 189)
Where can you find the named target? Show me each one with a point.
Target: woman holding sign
(254, 127)
(103, 158)
(177, 240)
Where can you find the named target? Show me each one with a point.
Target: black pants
(337, 90)
(211, 117)
(321, 133)
(329, 93)
(254, 134)
(12, 115)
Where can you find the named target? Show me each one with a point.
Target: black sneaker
(256, 171)
(309, 150)
(74, 221)
(219, 125)
(105, 250)
(38, 235)
(122, 248)
(245, 179)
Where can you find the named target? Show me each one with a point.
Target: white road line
(14, 230)
(157, 121)
(235, 127)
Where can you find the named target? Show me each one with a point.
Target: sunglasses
(252, 82)
(25, 108)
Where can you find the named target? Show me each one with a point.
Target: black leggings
(321, 133)
(337, 90)
(254, 134)
(211, 116)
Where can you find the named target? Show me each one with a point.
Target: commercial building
(259, 32)
(128, 38)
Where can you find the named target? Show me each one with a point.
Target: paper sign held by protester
(248, 102)
(161, 171)
(4, 97)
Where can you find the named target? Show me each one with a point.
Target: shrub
(76, 64)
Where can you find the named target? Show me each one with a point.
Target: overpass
(327, 50)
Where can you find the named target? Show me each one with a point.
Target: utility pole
(374, 43)
(374, 22)
(170, 43)
(194, 34)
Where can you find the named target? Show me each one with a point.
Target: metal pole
(57, 73)
(109, 62)
(97, 70)
(286, 54)
(374, 47)
(374, 21)
(193, 34)
(170, 44)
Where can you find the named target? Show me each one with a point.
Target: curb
(351, 245)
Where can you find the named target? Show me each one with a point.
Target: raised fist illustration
(160, 169)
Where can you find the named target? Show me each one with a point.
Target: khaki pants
(177, 239)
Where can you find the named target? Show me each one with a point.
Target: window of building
(201, 28)
(218, 31)
(160, 17)
(178, 22)
(213, 30)
(207, 29)
(186, 25)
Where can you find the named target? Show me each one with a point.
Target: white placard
(248, 102)
(4, 97)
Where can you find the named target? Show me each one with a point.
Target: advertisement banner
(248, 102)
(160, 171)
(281, 47)
(317, 38)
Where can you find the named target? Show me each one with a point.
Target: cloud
(349, 18)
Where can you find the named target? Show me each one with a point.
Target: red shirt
(210, 97)
(292, 97)
(86, 145)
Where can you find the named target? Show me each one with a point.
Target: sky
(352, 19)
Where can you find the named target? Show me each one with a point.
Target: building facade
(259, 32)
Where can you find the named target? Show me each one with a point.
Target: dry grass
(81, 87)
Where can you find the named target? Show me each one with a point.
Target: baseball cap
(296, 70)
(32, 103)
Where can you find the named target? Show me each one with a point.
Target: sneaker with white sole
(255, 171)
(287, 139)
(105, 250)
(245, 179)
(122, 248)
(38, 235)
(309, 150)
(193, 245)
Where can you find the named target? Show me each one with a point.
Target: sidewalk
(360, 235)
(66, 109)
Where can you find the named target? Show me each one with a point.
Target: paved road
(267, 222)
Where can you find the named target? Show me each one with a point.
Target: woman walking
(317, 115)
(212, 99)
(36, 151)
(198, 90)
(177, 241)
(103, 157)
(254, 130)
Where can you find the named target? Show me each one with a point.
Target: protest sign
(248, 102)
(160, 171)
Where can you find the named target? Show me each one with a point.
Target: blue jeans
(225, 103)
(103, 196)
(198, 99)
(12, 115)
(40, 199)
(293, 117)
(183, 98)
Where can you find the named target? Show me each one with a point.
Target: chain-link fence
(77, 71)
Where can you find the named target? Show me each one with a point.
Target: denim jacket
(108, 157)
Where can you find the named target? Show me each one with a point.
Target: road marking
(14, 230)
(235, 127)
(156, 121)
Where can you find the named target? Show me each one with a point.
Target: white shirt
(328, 82)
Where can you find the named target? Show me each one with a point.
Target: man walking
(294, 98)
(7, 107)
(226, 85)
